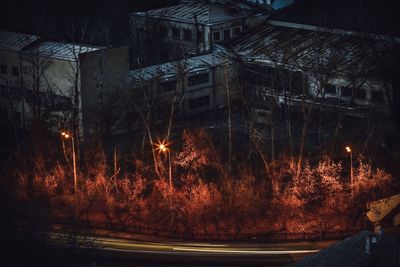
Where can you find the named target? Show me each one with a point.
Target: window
(330, 89)
(236, 31)
(377, 97)
(198, 79)
(187, 35)
(3, 69)
(61, 103)
(360, 94)
(17, 117)
(10, 92)
(296, 82)
(163, 31)
(15, 71)
(15, 93)
(168, 86)
(227, 34)
(216, 36)
(346, 91)
(199, 102)
(4, 91)
(176, 33)
(199, 35)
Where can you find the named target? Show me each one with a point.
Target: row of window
(178, 34)
(345, 91)
(195, 80)
(226, 34)
(14, 71)
(56, 102)
(189, 35)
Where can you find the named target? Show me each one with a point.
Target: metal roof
(15, 41)
(190, 65)
(309, 50)
(352, 252)
(205, 13)
(60, 50)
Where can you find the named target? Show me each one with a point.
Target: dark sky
(24, 15)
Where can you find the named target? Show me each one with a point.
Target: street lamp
(348, 150)
(66, 136)
(163, 148)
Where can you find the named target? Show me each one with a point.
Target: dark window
(163, 31)
(330, 89)
(15, 71)
(296, 82)
(17, 117)
(377, 97)
(198, 79)
(227, 34)
(176, 33)
(168, 86)
(346, 91)
(236, 31)
(199, 36)
(4, 91)
(3, 69)
(61, 103)
(10, 92)
(199, 102)
(360, 94)
(216, 36)
(15, 93)
(187, 35)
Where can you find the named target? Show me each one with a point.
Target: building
(323, 67)
(39, 79)
(104, 74)
(189, 28)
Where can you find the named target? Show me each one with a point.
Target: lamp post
(67, 136)
(163, 148)
(348, 150)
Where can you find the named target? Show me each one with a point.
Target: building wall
(56, 83)
(10, 86)
(106, 72)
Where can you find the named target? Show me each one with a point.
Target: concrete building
(38, 79)
(189, 29)
(104, 81)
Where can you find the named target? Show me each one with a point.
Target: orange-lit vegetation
(206, 200)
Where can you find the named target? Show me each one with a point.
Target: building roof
(60, 50)
(352, 252)
(379, 17)
(16, 41)
(309, 50)
(213, 12)
(190, 65)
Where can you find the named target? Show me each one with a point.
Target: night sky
(22, 15)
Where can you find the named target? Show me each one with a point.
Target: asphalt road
(188, 253)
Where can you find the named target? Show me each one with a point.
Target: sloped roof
(193, 64)
(351, 252)
(60, 50)
(311, 49)
(205, 13)
(16, 41)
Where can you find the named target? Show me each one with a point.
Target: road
(179, 252)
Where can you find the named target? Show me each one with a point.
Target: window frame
(219, 36)
(174, 31)
(187, 33)
(199, 102)
(3, 69)
(196, 79)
